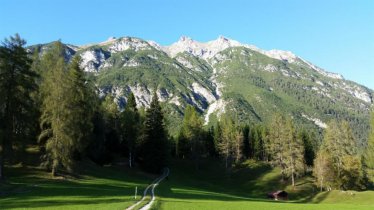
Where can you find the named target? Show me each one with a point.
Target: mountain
(223, 76)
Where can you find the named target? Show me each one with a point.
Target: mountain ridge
(221, 76)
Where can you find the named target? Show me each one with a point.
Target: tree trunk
(1, 166)
(53, 173)
(130, 159)
(293, 178)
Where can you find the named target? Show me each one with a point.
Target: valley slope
(223, 76)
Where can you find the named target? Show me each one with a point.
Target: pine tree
(339, 141)
(226, 145)
(17, 82)
(82, 102)
(246, 142)
(323, 170)
(155, 147)
(130, 127)
(192, 132)
(309, 147)
(67, 112)
(341, 146)
(369, 151)
(294, 153)
(55, 111)
(231, 142)
(210, 143)
(286, 150)
(111, 116)
(277, 144)
(352, 174)
(368, 155)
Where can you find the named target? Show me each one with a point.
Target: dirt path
(153, 197)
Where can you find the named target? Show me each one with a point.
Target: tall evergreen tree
(309, 146)
(55, 111)
(210, 143)
(155, 152)
(192, 135)
(323, 170)
(17, 81)
(369, 151)
(339, 141)
(277, 147)
(246, 142)
(130, 127)
(230, 142)
(82, 104)
(111, 116)
(341, 146)
(294, 153)
(66, 119)
(286, 150)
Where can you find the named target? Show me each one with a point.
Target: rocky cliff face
(224, 76)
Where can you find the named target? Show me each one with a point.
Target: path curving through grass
(152, 186)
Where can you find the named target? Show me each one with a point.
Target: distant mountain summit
(223, 76)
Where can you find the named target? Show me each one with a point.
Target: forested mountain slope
(223, 76)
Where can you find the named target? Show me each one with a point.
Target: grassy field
(186, 188)
(246, 188)
(106, 188)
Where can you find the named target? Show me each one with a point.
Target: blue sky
(337, 35)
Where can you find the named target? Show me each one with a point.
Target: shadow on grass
(212, 183)
(98, 185)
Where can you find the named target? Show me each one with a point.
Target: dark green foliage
(369, 151)
(246, 142)
(191, 139)
(310, 147)
(111, 116)
(210, 144)
(130, 126)
(285, 149)
(257, 140)
(67, 110)
(341, 148)
(17, 82)
(155, 151)
(97, 150)
(183, 146)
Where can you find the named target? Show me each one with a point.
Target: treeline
(47, 99)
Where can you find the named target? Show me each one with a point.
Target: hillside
(112, 187)
(224, 76)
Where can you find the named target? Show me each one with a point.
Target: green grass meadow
(210, 187)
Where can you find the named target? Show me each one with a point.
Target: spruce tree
(55, 116)
(81, 104)
(294, 153)
(111, 117)
(341, 146)
(246, 142)
(155, 152)
(368, 158)
(17, 82)
(231, 142)
(286, 149)
(277, 144)
(192, 135)
(66, 119)
(130, 127)
(323, 170)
